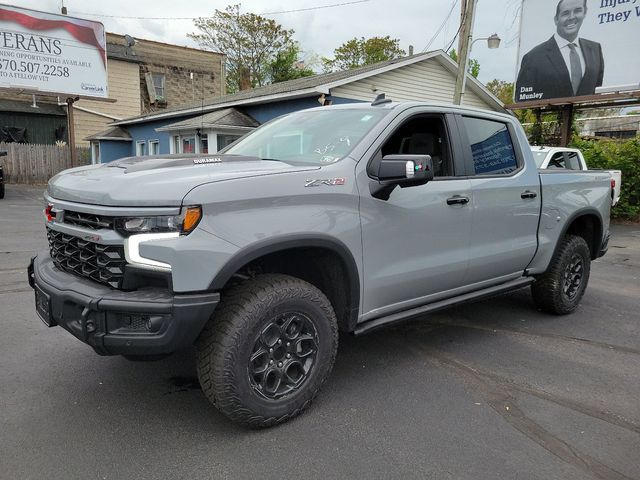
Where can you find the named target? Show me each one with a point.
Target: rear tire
(560, 289)
(267, 350)
(1, 190)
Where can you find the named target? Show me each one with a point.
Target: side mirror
(406, 170)
(401, 170)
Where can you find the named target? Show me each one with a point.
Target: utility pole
(463, 54)
(71, 130)
(463, 10)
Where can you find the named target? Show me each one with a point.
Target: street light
(493, 42)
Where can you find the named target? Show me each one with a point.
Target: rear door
(506, 200)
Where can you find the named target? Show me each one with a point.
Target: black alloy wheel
(573, 276)
(283, 355)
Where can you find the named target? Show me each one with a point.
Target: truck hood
(157, 181)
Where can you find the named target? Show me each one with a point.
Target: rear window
(491, 147)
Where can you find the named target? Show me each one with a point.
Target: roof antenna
(380, 100)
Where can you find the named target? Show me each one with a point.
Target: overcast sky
(319, 31)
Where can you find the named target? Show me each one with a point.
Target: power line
(457, 32)
(318, 7)
(442, 25)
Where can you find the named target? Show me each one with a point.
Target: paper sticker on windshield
(366, 118)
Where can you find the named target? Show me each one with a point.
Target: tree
(504, 91)
(501, 89)
(474, 65)
(359, 52)
(251, 43)
(286, 66)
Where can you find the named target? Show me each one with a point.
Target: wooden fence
(36, 164)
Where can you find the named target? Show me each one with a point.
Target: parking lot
(491, 390)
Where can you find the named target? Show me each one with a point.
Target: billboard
(52, 53)
(573, 48)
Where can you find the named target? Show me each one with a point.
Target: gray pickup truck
(341, 218)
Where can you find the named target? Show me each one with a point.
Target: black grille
(102, 263)
(88, 220)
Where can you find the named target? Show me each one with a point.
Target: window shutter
(150, 87)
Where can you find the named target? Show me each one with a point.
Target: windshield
(539, 157)
(311, 137)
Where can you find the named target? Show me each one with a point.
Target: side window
(491, 147)
(421, 135)
(572, 161)
(557, 161)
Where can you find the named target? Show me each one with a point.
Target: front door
(415, 244)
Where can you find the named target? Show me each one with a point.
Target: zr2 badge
(330, 182)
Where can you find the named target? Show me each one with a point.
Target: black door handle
(457, 200)
(528, 194)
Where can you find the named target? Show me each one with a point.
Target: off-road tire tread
(231, 321)
(547, 289)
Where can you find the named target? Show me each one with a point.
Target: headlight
(183, 223)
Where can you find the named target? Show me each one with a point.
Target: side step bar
(395, 318)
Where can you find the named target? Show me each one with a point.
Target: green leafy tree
(286, 66)
(501, 89)
(358, 52)
(617, 155)
(504, 91)
(474, 64)
(251, 43)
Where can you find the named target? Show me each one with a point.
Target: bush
(617, 155)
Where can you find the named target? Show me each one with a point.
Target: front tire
(267, 350)
(560, 289)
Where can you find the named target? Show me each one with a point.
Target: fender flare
(286, 242)
(581, 213)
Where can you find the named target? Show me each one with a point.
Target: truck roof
(546, 149)
(391, 105)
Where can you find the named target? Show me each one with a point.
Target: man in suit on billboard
(564, 65)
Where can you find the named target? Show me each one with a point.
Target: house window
(188, 144)
(140, 148)
(225, 140)
(154, 147)
(158, 85)
(95, 151)
(204, 144)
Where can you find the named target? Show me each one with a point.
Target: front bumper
(149, 321)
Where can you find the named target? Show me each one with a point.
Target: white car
(572, 159)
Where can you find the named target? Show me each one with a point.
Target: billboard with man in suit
(575, 47)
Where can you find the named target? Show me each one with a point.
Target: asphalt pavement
(491, 390)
